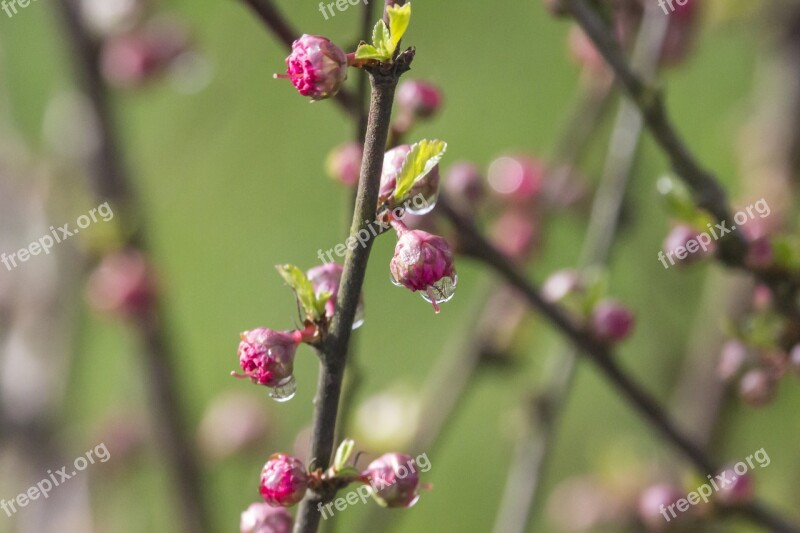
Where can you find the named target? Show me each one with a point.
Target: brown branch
(109, 181)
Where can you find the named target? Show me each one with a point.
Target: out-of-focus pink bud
(264, 518)
(685, 237)
(611, 321)
(418, 98)
(234, 423)
(514, 233)
(794, 359)
(107, 17)
(585, 53)
(561, 284)
(517, 179)
(734, 488)
(760, 253)
(732, 359)
(681, 32)
(395, 479)
(464, 184)
(344, 163)
(122, 284)
(757, 387)
(654, 502)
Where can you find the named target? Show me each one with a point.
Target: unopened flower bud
(517, 179)
(344, 163)
(316, 67)
(757, 387)
(514, 233)
(562, 284)
(424, 262)
(418, 98)
(734, 488)
(681, 33)
(760, 253)
(284, 480)
(122, 284)
(233, 423)
(652, 502)
(267, 358)
(395, 479)
(326, 278)
(612, 321)
(264, 518)
(464, 184)
(732, 358)
(684, 237)
(423, 194)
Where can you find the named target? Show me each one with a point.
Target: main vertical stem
(334, 351)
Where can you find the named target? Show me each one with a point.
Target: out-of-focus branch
(706, 188)
(109, 182)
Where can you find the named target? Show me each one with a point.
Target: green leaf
(399, 17)
(423, 156)
(367, 51)
(343, 453)
(303, 288)
(381, 40)
(680, 204)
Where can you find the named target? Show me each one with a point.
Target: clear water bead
(284, 391)
(442, 291)
(419, 206)
(358, 321)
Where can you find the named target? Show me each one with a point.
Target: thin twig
(335, 343)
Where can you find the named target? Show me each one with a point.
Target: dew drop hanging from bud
(441, 291)
(284, 391)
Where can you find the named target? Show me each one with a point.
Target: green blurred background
(232, 182)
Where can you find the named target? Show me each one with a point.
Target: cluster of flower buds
(607, 319)
(136, 45)
(123, 284)
(266, 356)
(756, 370)
(393, 478)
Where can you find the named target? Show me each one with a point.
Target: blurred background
(228, 166)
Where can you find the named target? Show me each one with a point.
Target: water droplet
(284, 391)
(418, 205)
(359, 319)
(442, 291)
(394, 281)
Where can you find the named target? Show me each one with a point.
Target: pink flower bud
(424, 262)
(394, 478)
(584, 52)
(612, 321)
(464, 184)
(514, 234)
(517, 179)
(757, 387)
(122, 284)
(267, 357)
(316, 67)
(326, 278)
(561, 284)
(681, 32)
(732, 359)
(680, 237)
(344, 163)
(734, 488)
(422, 196)
(760, 253)
(418, 98)
(284, 480)
(130, 60)
(264, 518)
(234, 423)
(653, 501)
